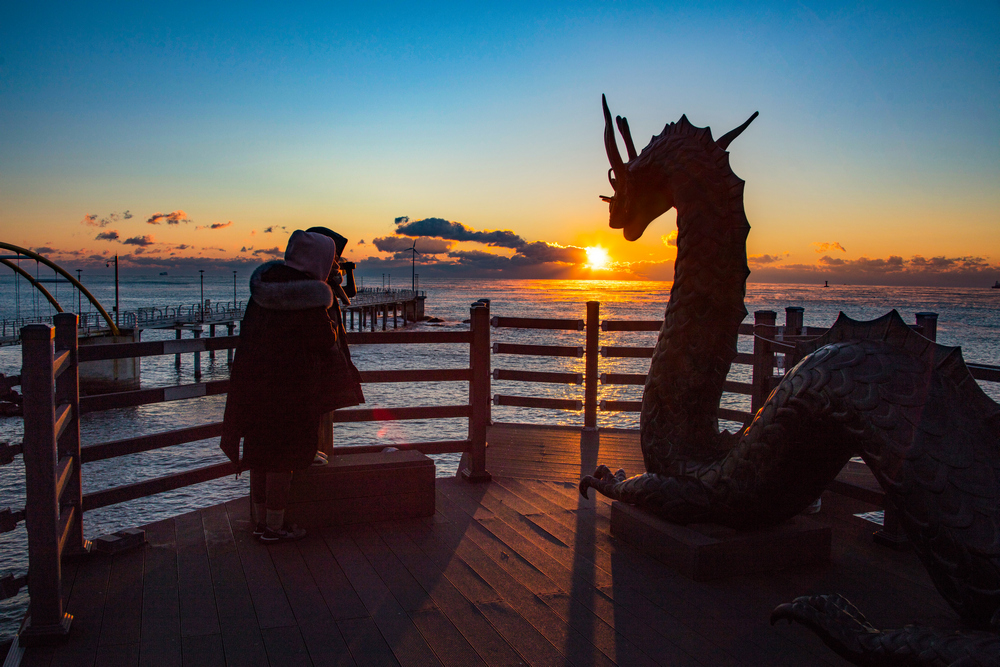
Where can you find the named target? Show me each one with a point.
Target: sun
(597, 257)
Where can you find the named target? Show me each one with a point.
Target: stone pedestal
(360, 488)
(705, 551)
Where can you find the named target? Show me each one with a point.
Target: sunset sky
(199, 136)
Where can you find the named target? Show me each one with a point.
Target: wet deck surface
(518, 571)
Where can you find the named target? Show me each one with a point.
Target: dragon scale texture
(907, 406)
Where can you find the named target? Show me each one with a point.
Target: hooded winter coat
(288, 371)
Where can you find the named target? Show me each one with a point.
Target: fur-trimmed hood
(293, 295)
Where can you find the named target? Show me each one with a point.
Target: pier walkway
(521, 570)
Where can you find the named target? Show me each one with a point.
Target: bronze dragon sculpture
(907, 406)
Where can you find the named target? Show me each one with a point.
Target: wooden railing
(53, 457)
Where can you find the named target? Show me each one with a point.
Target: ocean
(966, 317)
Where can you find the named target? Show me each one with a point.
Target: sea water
(966, 317)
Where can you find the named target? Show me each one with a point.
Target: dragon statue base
(878, 390)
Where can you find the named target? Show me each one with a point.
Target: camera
(348, 266)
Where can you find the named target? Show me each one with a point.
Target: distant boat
(996, 284)
(163, 273)
(826, 283)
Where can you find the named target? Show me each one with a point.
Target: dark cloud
(268, 230)
(182, 246)
(268, 252)
(215, 225)
(45, 250)
(91, 220)
(891, 270)
(763, 259)
(174, 218)
(456, 231)
(142, 241)
(540, 252)
(361, 242)
(401, 219)
(110, 235)
(126, 215)
(402, 244)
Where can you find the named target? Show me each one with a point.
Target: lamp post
(201, 306)
(117, 309)
(234, 290)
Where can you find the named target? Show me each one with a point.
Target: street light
(201, 306)
(117, 309)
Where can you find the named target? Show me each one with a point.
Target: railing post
(177, 357)
(794, 321)
(479, 394)
(47, 622)
(197, 355)
(590, 368)
(763, 358)
(928, 323)
(230, 328)
(68, 391)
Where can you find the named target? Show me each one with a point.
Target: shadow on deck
(518, 571)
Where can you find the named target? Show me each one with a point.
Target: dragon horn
(622, 123)
(727, 138)
(611, 146)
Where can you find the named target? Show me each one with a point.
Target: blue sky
(879, 129)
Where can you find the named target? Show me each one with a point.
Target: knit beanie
(310, 253)
(337, 238)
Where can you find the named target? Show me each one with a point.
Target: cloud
(126, 215)
(891, 270)
(539, 252)
(182, 246)
(670, 239)
(763, 259)
(215, 225)
(91, 220)
(268, 252)
(402, 219)
(174, 218)
(45, 250)
(823, 246)
(253, 232)
(110, 235)
(456, 231)
(361, 242)
(401, 245)
(142, 241)
(274, 227)
(268, 230)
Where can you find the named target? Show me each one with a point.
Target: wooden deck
(518, 571)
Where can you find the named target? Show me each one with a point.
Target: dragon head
(644, 188)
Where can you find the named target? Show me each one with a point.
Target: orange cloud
(823, 246)
(174, 218)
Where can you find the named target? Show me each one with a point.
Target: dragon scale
(907, 406)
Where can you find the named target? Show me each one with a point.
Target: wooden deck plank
(269, 600)
(286, 647)
(464, 615)
(87, 604)
(523, 586)
(575, 581)
(366, 644)
(447, 642)
(410, 595)
(203, 650)
(161, 617)
(406, 642)
(123, 609)
(342, 601)
(199, 615)
(751, 640)
(241, 638)
(118, 655)
(318, 628)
